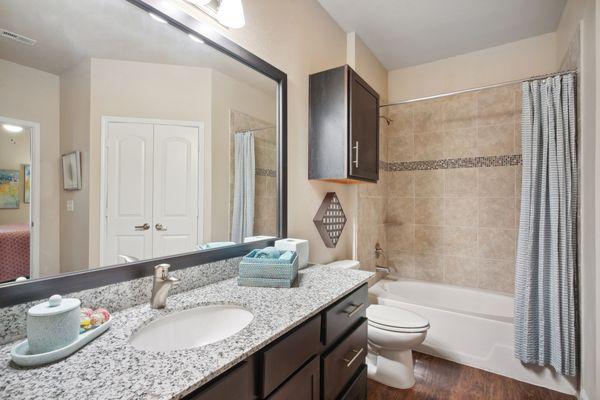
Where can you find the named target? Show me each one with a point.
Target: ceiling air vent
(19, 38)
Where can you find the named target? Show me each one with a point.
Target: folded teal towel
(287, 256)
(268, 252)
(214, 245)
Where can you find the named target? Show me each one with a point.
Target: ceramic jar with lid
(53, 324)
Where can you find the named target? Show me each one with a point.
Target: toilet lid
(395, 317)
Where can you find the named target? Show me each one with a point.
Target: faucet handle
(162, 271)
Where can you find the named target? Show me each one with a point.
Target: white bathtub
(469, 326)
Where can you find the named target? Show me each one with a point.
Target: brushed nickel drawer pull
(355, 148)
(349, 362)
(355, 308)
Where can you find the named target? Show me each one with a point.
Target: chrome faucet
(161, 286)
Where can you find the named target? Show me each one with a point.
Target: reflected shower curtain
(546, 267)
(242, 224)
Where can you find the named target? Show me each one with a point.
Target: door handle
(353, 309)
(355, 148)
(144, 227)
(160, 227)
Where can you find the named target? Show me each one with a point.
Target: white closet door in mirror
(129, 192)
(176, 195)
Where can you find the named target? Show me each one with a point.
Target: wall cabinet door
(363, 130)
(343, 127)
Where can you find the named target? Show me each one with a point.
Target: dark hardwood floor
(439, 379)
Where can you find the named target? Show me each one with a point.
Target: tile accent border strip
(452, 163)
(265, 172)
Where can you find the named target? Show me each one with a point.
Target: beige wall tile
(497, 212)
(428, 239)
(429, 267)
(497, 275)
(428, 116)
(497, 181)
(400, 210)
(496, 140)
(460, 143)
(497, 243)
(368, 236)
(517, 212)
(429, 183)
(460, 241)
(460, 182)
(429, 146)
(371, 211)
(400, 237)
(401, 148)
(461, 271)
(429, 211)
(461, 211)
(401, 183)
(402, 115)
(460, 111)
(402, 263)
(495, 106)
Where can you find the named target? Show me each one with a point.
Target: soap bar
(300, 246)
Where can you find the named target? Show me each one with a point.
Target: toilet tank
(345, 264)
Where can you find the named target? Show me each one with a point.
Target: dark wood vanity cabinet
(323, 358)
(343, 127)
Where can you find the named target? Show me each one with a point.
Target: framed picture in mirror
(71, 166)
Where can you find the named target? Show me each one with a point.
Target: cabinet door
(304, 385)
(363, 146)
(238, 384)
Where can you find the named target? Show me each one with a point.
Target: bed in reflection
(14, 248)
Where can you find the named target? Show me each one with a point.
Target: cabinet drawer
(281, 359)
(304, 385)
(342, 362)
(338, 318)
(238, 383)
(357, 390)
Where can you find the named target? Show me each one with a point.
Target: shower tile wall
(265, 151)
(443, 223)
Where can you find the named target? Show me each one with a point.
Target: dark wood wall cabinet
(343, 127)
(324, 358)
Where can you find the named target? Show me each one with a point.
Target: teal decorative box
(265, 282)
(268, 268)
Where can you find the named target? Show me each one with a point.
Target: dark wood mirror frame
(15, 293)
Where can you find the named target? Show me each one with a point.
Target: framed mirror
(131, 134)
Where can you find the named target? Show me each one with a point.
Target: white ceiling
(70, 31)
(403, 33)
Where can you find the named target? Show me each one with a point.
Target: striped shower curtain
(546, 320)
(242, 224)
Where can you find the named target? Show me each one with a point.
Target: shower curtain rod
(495, 85)
(257, 129)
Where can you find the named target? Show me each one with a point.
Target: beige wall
(32, 95)
(141, 90)
(517, 60)
(75, 135)
(581, 15)
(229, 94)
(284, 33)
(12, 157)
(363, 61)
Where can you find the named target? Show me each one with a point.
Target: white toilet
(393, 333)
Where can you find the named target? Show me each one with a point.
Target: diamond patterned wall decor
(330, 220)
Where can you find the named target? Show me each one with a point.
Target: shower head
(388, 121)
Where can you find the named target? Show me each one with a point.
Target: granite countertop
(110, 368)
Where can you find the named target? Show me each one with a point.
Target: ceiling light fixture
(195, 38)
(231, 14)
(157, 18)
(13, 128)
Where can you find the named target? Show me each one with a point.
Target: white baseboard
(583, 395)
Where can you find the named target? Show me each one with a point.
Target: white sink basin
(192, 328)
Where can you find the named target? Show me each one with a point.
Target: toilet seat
(395, 319)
